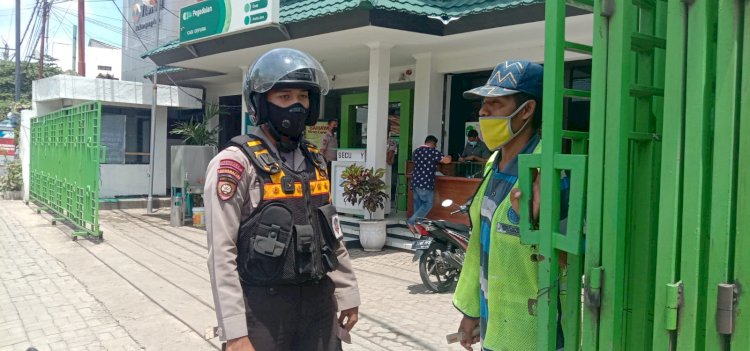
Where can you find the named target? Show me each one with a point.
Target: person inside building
(329, 144)
(425, 159)
(499, 278)
(279, 269)
(475, 149)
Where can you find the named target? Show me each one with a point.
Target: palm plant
(200, 133)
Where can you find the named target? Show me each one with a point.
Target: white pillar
(377, 104)
(244, 130)
(428, 101)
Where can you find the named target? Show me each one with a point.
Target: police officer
(279, 270)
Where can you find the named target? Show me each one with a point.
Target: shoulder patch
(232, 164)
(226, 188)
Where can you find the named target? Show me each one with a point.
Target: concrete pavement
(146, 287)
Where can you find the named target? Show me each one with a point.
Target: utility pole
(18, 51)
(150, 205)
(75, 41)
(81, 39)
(43, 39)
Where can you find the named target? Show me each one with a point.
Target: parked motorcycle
(441, 250)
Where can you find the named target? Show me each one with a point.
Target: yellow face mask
(497, 130)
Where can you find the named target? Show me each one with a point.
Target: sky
(103, 23)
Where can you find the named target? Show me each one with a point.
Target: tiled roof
(174, 44)
(300, 10)
(163, 70)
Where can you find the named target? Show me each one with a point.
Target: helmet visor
(287, 66)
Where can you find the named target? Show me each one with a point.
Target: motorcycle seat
(461, 228)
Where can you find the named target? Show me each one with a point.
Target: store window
(125, 134)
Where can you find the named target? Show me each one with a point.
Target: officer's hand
(240, 344)
(516, 195)
(348, 318)
(467, 326)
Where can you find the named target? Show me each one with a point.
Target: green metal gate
(65, 156)
(660, 185)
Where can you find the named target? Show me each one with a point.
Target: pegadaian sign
(213, 18)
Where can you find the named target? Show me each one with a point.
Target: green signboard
(220, 17)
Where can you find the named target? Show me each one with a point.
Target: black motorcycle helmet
(284, 68)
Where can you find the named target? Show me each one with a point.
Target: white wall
(112, 91)
(133, 66)
(97, 58)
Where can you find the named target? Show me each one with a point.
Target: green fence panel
(595, 191)
(671, 189)
(699, 100)
(723, 181)
(618, 124)
(741, 271)
(65, 156)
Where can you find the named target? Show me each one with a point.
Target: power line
(30, 19)
(59, 22)
(131, 27)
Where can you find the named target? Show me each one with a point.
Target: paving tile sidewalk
(146, 287)
(45, 306)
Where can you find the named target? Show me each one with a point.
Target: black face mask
(288, 121)
(334, 130)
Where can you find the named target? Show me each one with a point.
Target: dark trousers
(292, 318)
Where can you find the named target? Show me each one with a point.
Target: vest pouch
(331, 242)
(262, 245)
(308, 251)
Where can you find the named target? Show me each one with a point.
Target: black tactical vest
(288, 237)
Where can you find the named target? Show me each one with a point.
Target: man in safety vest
(499, 279)
(279, 269)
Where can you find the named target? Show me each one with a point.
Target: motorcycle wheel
(435, 273)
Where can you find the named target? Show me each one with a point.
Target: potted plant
(366, 187)
(200, 133)
(190, 160)
(12, 182)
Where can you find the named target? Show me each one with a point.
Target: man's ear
(529, 109)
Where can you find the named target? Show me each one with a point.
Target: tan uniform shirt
(223, 218)
(329, 146)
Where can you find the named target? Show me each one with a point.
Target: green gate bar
(671, 189)
(65, 156)
(552, 163)
(595, 179)
(699, 99)
(618, 121)
(723, 191)
(741, 270)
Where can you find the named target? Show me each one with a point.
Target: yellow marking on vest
(252, 143)
(274, 191)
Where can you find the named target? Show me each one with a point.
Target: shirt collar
(512, 167)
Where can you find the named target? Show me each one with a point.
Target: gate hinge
(608, 8)
(726, 308)
(674, 301)
(593, 289)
